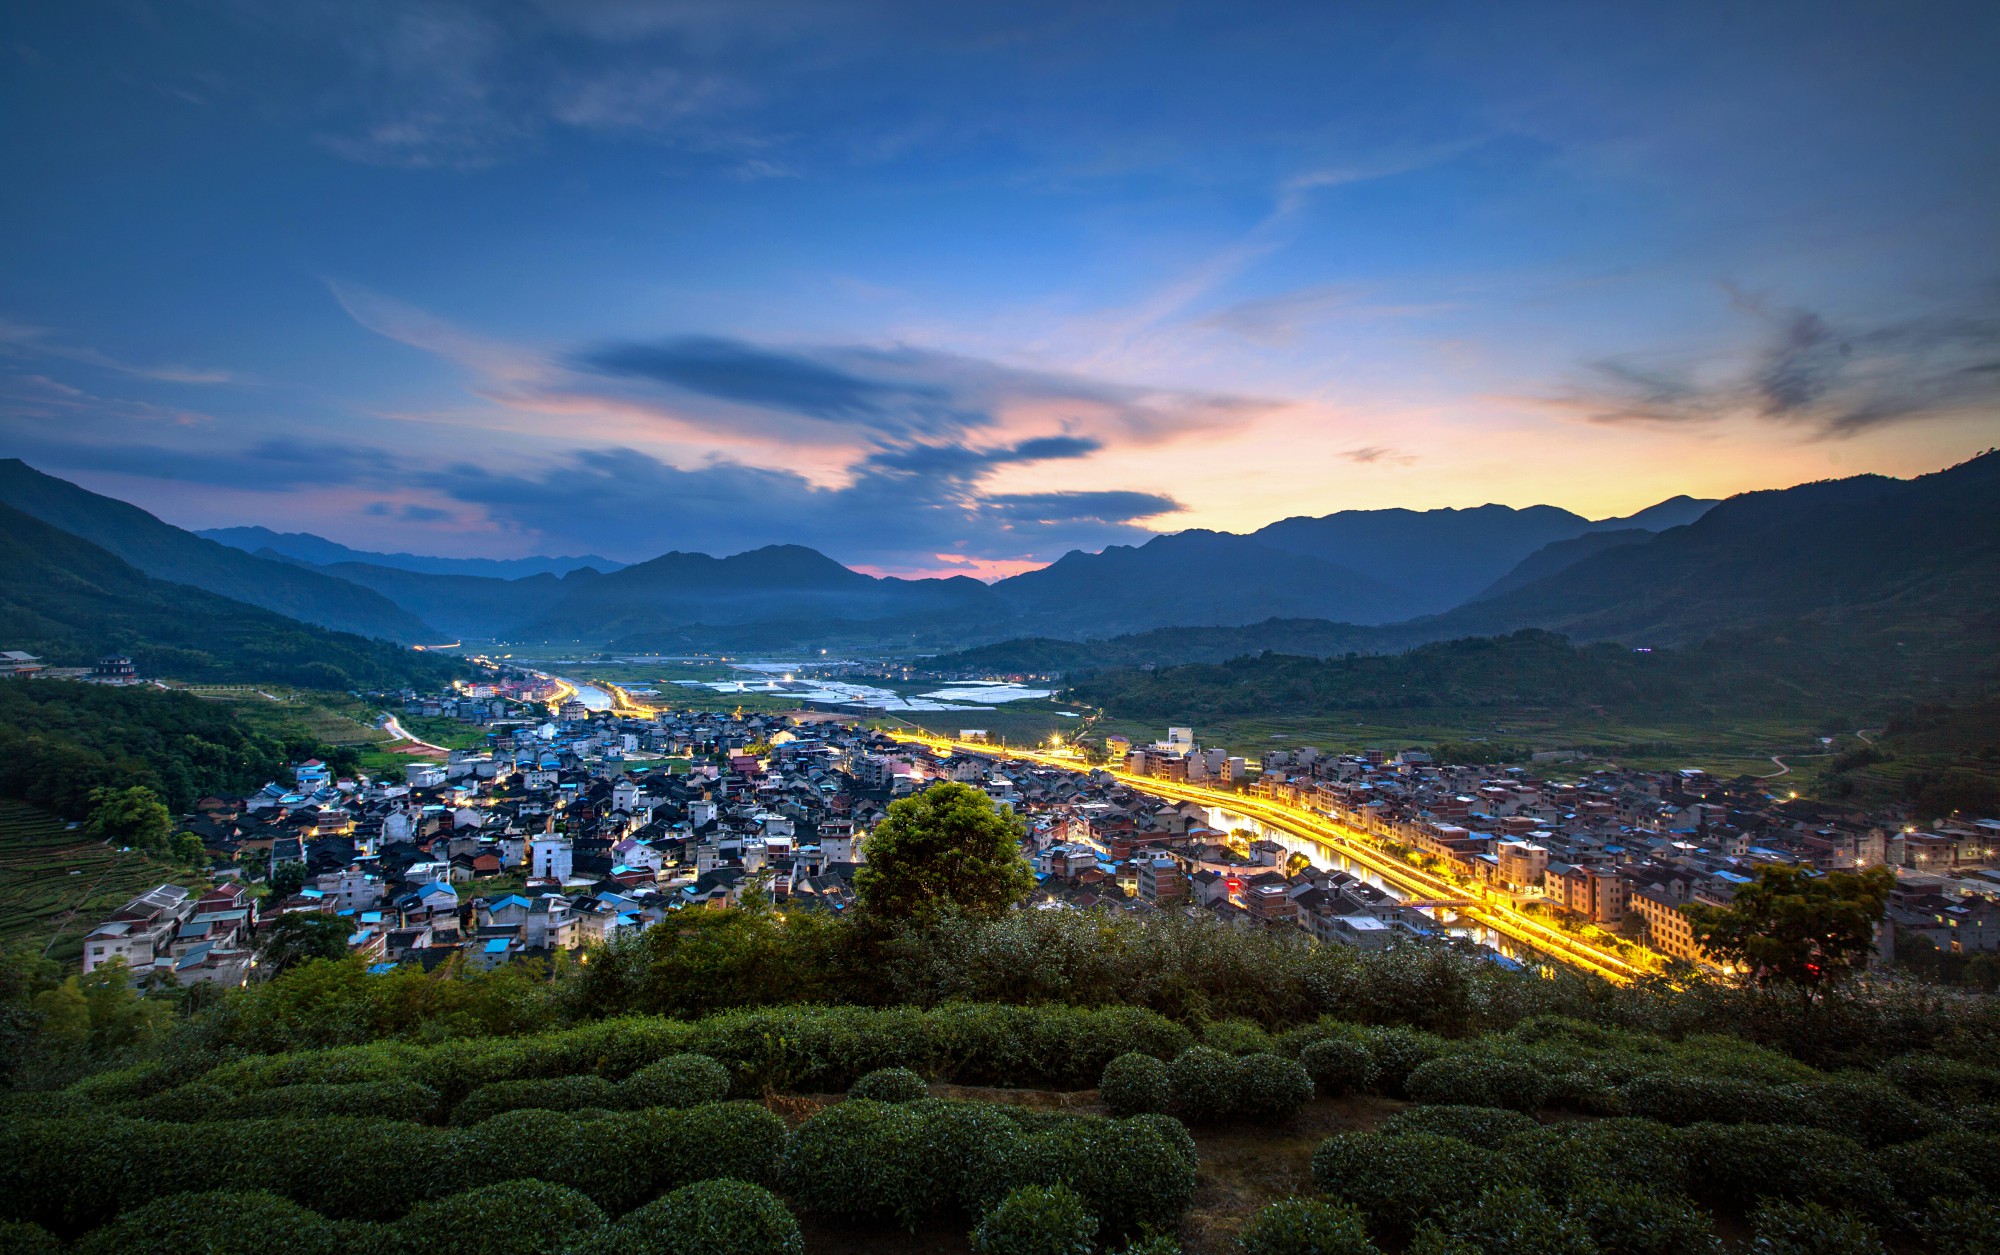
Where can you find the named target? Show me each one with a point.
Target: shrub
(1941, 1081)
(20, 1237)
(1205, 1084)
(1507, 1220)
(685, 1080)
(1960, 1226)
(1037, 1220)
(1477, 1081)
(216, 1222)
(1639, 1220)
(1677, 1099)
(1272, 1086)
(716, 1217)
(1339, 1067)
(385, 1100)
(1867, 1109)
(626, 1158)
(510, 1218)
(1565, 1159)
(1399, 1052)
(1238, 1037)
(1134, 1084)
(1482, 1126)
(1737, 1164)
(1304, 1226)
(867, 1160)
(1401, 1179)
(1951, 1164)
(890, 1085)
(562, 1093)
(1133, 1175)
(1157, 1244)
(1810, 1229)
(1175, 1133)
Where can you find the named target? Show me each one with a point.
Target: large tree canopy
(947, 849)
(1794, 926)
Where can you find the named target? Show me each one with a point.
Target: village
(562, 833)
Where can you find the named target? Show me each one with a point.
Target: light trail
(1487, 909)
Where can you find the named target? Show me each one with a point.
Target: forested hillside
(69, 601)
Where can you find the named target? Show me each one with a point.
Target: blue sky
(958, 288)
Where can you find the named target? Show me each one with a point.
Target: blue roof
(497, 945)
(377, 969)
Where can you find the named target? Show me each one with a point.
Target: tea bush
(1134, 1084)
(1037, 1220)
(1304, 1226)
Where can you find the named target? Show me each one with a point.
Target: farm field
(55, 880)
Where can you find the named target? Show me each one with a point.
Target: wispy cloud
(1369, 455)
(24, 340)
(1806, 370)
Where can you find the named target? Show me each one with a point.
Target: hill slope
(321, 552)
(69, 601)
(168, 553)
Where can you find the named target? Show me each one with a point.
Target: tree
(1793, 926)
(946, 850)
(189, 849)
(298, 937)
(135, 817)
(286, 880)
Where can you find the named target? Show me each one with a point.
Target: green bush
(1399, 1052)
(1272, 1087)
(560, 1093)
(626, 1158)
(1489, 1127)
(1134, 1175)
(1339, 1067)
(715, 1217)
(890, 1085)
(1865, 1108)
(1564, 1159)
(518, 1217)
(215, 1222)
(867, 1160)
(1942, 1082)
(1679, 1099)
(1952, 1164)
(1134, 1084)
(1037, 1220)
(1205, 1084)
(1238, 1037)
(1506, 1220)
(1642, 1220)
(1174, 1132)
(1477, 1081)
(1304, 1226)
(1960, 1226)
(20, 1237)
(1400, 1179)
(399, 1099)
(683, 1080)
(1810, 1229)
(1740, 1164)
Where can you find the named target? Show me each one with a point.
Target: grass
(55, 882)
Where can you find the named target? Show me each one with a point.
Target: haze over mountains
(1867, 548)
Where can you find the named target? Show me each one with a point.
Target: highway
(1488, 908)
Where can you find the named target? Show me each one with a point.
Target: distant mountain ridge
(166, 552)
(321, 552)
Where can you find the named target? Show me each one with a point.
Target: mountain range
(1362, 567)
(1868, 549)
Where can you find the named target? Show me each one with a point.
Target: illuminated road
(1488, 909)
(394, 728)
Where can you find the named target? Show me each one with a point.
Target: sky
(954, 289)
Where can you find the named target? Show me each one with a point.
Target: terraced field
(56, 882)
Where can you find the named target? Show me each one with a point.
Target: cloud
(626, 503)
(1277, 320)
(1807, 371)
(892, 397)
(23, 340)
(1368, 455)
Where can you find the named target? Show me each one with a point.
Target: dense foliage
(946, 850)
(59, 740)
